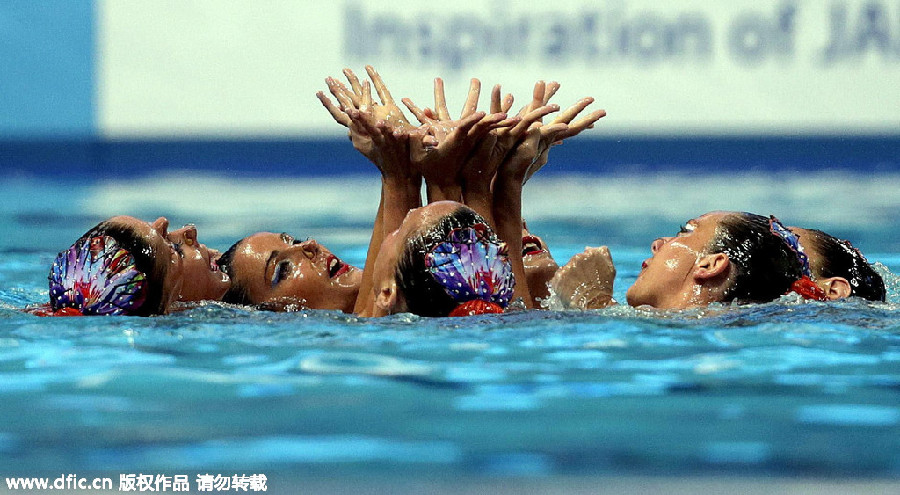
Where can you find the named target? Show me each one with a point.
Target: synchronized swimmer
(464, 248)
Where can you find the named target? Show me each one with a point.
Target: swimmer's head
(838, 268)
(717, 257)
(123, 266)
(276, 271)
(443, 261)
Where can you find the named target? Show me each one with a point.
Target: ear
(386, 297)
(711, 266)
(835, 287)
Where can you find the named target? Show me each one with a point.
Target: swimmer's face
(166, 257)
(278, 270)
(667, 279)
(539, 264)
(202, 278)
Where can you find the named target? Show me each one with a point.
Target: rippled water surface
(784, 389)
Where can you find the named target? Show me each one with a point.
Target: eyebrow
(268, 262)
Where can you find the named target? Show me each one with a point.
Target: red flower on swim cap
(476, 307)
(808, 289)
(46, 310)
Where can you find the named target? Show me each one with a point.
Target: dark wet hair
(237, 293)
(765, 267)
(145, 259)
(838, 258)
(424, 295)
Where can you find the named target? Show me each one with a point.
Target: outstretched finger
(581, 124)
(509, 122)
(469, 122)
(440, 101)
(487, 123)
(570, 113)
(383, 93)
(537, 98)
(471, 98)
(354, 83)
(462, 134)
(365, 102)
(495, 99)
(549, 90)
(533, 117)
(420, 115)
(499, 105)
(550, 131)
(507, 103)
(336, 113)
(341, 94)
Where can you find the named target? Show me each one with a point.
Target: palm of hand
(484, 162)
(517, 163)
(362, 142)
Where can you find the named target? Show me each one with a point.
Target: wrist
(440, 192)
(506, 181)
(477, 188)
(404, 186)
(471, 197)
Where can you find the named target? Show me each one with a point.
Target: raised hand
(483, 164)
(551, 135)
(441, 160)
(359, 97)
(350, 102)
(519, 164)
(390, 146)
(352, 97)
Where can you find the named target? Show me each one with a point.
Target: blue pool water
(787, 390)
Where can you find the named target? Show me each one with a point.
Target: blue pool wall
(99, 159)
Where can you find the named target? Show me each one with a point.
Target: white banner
(238, 68)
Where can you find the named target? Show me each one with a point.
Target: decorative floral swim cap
(95, 276)
(470, 266)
